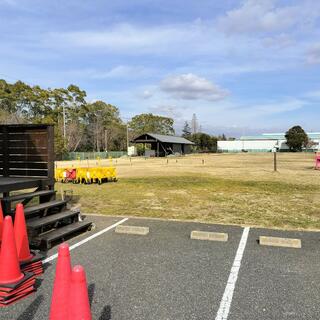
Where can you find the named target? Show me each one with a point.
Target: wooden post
(5, 146)
(274, 161)
(51, 155)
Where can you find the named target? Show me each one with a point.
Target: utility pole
(127, 137)
(106, 140)
(64, 121)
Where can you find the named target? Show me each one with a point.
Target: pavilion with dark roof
(164, 145)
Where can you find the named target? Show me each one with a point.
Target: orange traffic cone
(60, 294)
(14, 284)
(1, 222)
(9, 263)
(29, 261)
(20, 234)
(79, 307)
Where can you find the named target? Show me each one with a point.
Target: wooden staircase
(49, 221)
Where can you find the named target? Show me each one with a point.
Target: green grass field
(227, 188)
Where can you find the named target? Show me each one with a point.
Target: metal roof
(165, 138)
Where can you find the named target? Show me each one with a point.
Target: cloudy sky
(242, 66)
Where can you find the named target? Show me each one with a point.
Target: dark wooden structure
(164, 145)
(27, 176)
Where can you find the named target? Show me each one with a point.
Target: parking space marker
(280, 242)
(80, 243)
(209, 236)
(225, 303)
(142, 231)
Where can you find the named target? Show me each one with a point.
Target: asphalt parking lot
(166, 275)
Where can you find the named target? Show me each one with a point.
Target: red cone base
(14, 293)
(15, 298)
(14, 284)
(34, 265)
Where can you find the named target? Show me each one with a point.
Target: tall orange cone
(9, 263)
(79, 307)
(20, 234)
(1, 222)
(60, 294)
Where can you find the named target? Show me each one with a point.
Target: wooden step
(28, 211)
(62, 233)
(51, 219)
(29, 195)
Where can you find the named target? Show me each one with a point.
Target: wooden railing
(27, 151)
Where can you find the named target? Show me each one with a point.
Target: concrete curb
(280, 242)
(209, 236)
(142, 231)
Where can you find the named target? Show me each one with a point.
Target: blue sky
(243, 67)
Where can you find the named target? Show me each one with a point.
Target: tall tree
(296, 138)
(186, 131)
(148, 122)
(204, 142)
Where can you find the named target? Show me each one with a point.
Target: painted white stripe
(80, 243)
(225, 303)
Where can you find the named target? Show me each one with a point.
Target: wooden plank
(23, 196)
(22, 151)
(28, 135)
(29, 157)
(27, 165)
(5, 153)
(51, 154)
(38, 143)
(28, 173)
(64, 231)
(21, 128)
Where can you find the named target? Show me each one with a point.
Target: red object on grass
(317, 161)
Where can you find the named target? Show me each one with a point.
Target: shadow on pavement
(32, 309)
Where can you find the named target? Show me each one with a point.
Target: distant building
(162, 145)
(266, 142)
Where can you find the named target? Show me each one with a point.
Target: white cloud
(313, 54)
(192, 87)
(146, 94)
(279, 41)
(171, 111)
(122, 71)
(131, 39)
(265, 16)
(279, 107)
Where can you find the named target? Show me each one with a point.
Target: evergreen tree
(186, 131)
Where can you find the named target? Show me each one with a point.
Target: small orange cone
(79, 307)
(21, 236)
(9, 263)
(60, 294)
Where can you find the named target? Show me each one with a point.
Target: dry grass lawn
(226, 188)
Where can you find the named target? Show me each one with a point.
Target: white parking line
(225, 303)
(80, 243)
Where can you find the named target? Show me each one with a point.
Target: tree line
(81, 125)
